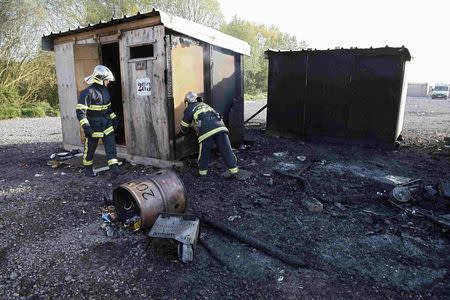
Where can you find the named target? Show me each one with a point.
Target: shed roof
(189, 28)
(400, 51)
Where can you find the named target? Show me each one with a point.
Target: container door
(286, 93)
(376, 106)
(226, 97)
(328, 94)
(142, 57)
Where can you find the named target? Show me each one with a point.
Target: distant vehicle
(440, 91)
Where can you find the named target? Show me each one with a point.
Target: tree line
(27, 74)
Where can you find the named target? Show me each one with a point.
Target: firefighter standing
(210, 129)
(97, 119)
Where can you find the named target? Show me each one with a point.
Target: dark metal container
(160, 192)
(342, 94)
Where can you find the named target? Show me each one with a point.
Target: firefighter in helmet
(98, 119)
(210, 129)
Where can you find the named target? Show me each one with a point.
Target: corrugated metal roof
(402, 51)
(183, 26)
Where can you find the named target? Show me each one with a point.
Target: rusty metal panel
(144, 95)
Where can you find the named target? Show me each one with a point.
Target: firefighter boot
(115, 170)
(89, 172)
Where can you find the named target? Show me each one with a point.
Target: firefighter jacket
(204, 119)
(94, 109)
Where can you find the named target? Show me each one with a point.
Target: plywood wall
(86, 57)
(146, 117)
(187, 75)
(67, 92)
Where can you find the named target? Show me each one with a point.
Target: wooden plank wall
(67, 92)
(146, 117)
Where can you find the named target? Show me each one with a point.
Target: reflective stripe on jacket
(204, 118)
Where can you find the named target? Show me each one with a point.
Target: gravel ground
(52, 246)
(27, 131)
(426, 120)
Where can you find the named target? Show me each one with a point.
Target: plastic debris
(444, 188)
(109, 217)
(339, 205)
(232, 218)
(134, 222)
(109, 231)
(281, 154)
(431, 190)
(401, 194)
(301, 158)
(312, 204)
(287, 166)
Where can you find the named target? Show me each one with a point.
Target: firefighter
(98, 119)
(210, 129)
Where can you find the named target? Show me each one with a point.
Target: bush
(258, 96)
(32, 112)
(9, 112)
(8, 97)
(38, 110)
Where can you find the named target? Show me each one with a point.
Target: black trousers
(223, 144)
(90, 144)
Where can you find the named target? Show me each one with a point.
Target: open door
(111, 59)
(86, 57)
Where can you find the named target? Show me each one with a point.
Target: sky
(421, 26)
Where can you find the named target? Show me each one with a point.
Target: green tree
(260, 37)
(206, 12)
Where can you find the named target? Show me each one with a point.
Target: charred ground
(51, 243)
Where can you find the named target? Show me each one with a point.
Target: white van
(440, 91)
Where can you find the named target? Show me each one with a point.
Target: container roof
(186, 27)
(400, 51)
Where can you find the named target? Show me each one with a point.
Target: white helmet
(100, 74)
(191, 97)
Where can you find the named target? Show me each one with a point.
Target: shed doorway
(110, 58)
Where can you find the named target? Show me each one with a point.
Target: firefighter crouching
(210, 129)
(97, 119)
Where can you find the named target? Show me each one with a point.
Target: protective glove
(88, 131)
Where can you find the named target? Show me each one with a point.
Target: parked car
(440, 91)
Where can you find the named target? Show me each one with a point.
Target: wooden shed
(156, 59)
